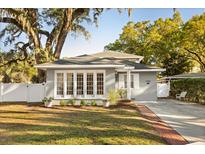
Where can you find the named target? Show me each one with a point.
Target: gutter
(144, 70)
(79, 66)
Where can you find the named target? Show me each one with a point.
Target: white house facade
(92, 76)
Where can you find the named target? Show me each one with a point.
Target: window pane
(60, 84)
(125, 81)
(69, 83)
(79, 83)
(100, 83)
(89, 83)
(132, 81)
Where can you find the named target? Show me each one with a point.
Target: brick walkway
(166, 132)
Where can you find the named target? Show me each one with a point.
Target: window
(79, 83)
(100, 84)
(76, 83)
(89, 83)
(60, 84)
(69, 83)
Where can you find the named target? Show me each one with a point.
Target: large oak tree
(35, 36)
(45, 30)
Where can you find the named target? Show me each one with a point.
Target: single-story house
(92, 76)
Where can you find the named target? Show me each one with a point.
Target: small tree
(113, 96)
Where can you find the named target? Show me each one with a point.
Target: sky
(110, 26)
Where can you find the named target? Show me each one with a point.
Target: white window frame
(87, 84)
(85, 96)
(67, 83)
(55, 87)
(83, 85)
(103, 84)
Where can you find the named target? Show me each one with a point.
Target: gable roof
(115, 54)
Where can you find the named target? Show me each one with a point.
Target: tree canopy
(38, 35)
(168, 43)
(193, 38)
(45, 30)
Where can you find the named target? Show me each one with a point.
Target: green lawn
(22, 124)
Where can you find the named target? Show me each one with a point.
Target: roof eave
(77, 66)
(150, 70)
(143, 70)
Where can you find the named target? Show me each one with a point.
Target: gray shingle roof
(115, 54)
(102, 58)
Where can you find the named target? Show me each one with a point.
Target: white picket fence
(21, 92)
(163, 89)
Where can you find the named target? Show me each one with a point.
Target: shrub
(47, 100)
(82, 103)
(63, 103)
(88, 103)
(122, 93)
(195, 89)
(71, 102)
(93, 103)
(113, 96)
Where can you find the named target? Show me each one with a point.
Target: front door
(134, 82)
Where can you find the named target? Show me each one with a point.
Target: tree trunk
(63, 32)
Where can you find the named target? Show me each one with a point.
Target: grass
(23, 124)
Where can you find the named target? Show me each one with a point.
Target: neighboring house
(92, 76)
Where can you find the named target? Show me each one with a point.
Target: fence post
(44, 89)
(27, 93)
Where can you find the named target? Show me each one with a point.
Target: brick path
(166, 132)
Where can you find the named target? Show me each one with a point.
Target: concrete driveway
(187, 119)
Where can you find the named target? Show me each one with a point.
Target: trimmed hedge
(195, 89)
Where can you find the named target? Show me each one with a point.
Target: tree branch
(12, 61)
(51, 38)
(44, 32)
(198, 57)
(29, 26)
(10, 21)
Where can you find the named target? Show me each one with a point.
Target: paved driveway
(187, 119)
